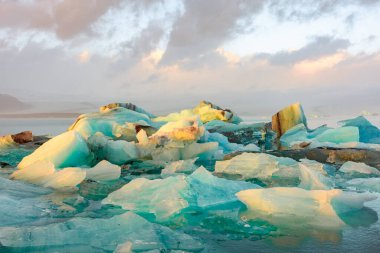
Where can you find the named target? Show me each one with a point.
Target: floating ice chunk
(6, 141)
(161, 197)
(189, 129)
(299, 207)
(358, 168)
(128, 106)
(119, 152)
(103, 171)
(115, 123)
(228, 147)
(142, 137)
(257, 165)
(182, 166)
(339, 135)
(206, 111)
(204, 151)
(321, 136)
(288, 118)
(116, 152)
(365, 184)
(65, 150)
(209, 190)
(368, 132)
(313, 180)
(99, 233)
(66, 178)
(35, 173)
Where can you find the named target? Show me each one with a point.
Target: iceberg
(118, 123)
(368, 132)
(206, 111)
(181, 166)
(101, 233)
(181, 130)
(208, 190)
(65, 150)
(257, 165)
(288, 118)
(286, 206)
(65, 179)
(161, 197)
(103, 171)
(167, 197)
(365, 184)
(353, 168)
(313, 179)
(35, 173)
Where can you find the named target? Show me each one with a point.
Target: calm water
(39, 126)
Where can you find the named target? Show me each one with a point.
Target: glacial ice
(65, 179)
(115, 123)
(365, 184)
(288, 118)
(368, 132)
(167, 197)
(65, 150)
(123, 159)
(313, 179)
(206, 111)
(36, 173)
(299, 207)
(161, 197)
(257, 165)
(100, 233)
(209, 190)
(103, 171)
(323, 136)
(178, 167)
(353, 168)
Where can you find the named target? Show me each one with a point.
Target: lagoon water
(362, 234)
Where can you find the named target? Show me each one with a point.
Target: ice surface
(35, 173)
(313, 179)
(114, 123)
(322, 136)
(365, 184)
(352, 168)
(65, 150)
(161, 197)
(287, 118)
(103, 171)
(258, 165)
(181, 166)
(65, 179)
(209, 190)
(299, 207)
(99, 233)
(206, 111)
(368, 132)
(189, 129)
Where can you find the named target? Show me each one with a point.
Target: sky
(248, 55)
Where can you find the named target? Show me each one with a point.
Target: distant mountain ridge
(9, 103)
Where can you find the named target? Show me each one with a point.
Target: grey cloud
(66, 18)
(319, 47)
(205, 25)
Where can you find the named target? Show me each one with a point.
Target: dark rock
(23, 137)
(335, 156)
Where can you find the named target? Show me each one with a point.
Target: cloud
(319, 47)
(66, 18)
(205, 26)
